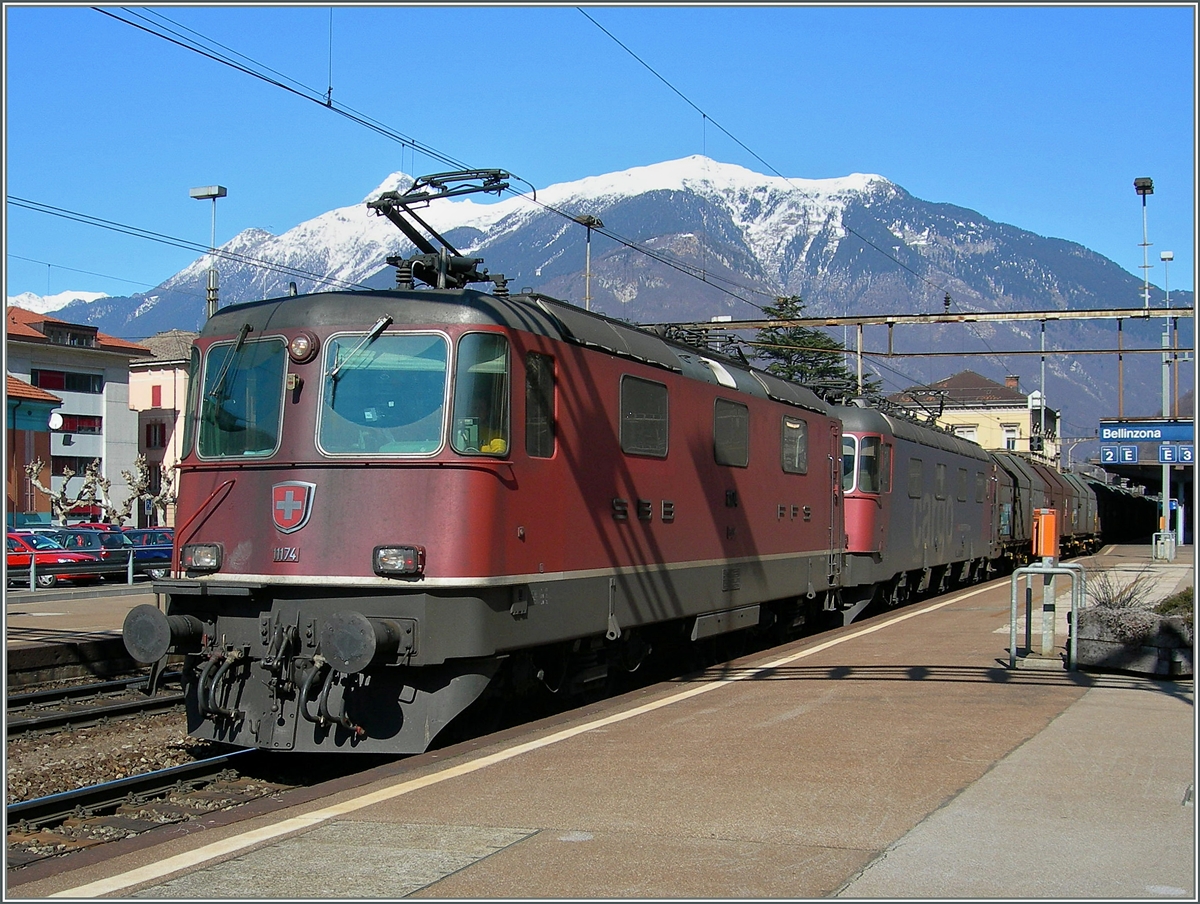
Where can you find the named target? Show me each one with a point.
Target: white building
(89, 371)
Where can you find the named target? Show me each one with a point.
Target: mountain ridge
(723, 240)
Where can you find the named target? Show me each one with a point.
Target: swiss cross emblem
(291, 504)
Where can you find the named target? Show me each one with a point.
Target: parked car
(153, 544)
(44, 551)
(106, 545)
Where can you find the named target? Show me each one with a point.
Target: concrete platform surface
(899, 757)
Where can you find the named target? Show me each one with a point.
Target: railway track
(61, 823)
(80, 705)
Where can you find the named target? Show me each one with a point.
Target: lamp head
(204, 192)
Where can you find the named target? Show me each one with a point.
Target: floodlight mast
(204, 193)
(1144, 186)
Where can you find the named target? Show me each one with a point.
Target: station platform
(68, 632)
(898, 757)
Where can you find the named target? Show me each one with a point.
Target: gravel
(41, 764)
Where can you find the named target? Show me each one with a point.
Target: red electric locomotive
(390, 501)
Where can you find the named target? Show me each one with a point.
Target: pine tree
(808, 356)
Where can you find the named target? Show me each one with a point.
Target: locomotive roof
(534, 313)
(870, 420)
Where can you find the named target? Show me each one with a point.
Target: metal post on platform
(1049, 599)
(1046, 569)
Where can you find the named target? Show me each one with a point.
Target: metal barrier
(128, 568)
(1163, 546)
(1047, 569)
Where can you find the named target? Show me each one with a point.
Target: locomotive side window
(481, 395)
(916, 478)
(387, 396)
(871, 465)
(795, 445)
(980, 486)
(643, 417)
(885, 467)
(939, 481)
(731, 433)
(242, 402)
(539, 405)
(962, 484)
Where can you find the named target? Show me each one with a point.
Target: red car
(47, 552)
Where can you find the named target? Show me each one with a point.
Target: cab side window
(794, 445)
(539, 405)
(481, 395)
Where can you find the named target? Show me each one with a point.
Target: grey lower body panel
(259, 676)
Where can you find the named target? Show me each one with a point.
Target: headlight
(303, 347)
(202, 557)
(389, 560)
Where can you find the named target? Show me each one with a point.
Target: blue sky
(1040, 117)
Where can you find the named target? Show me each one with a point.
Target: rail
(57, 807)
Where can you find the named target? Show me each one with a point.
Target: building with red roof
(87, 371)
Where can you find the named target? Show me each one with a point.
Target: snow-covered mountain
(48, 304)
(690, 239)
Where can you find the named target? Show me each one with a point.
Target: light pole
(590, 222)
(1166, 257)
(203, 193)
(1144, 186)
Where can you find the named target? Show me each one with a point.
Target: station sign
(1126, 442)
(1146, 431)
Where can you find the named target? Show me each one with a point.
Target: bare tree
(140, 487)
(96, 490)
(61, 502)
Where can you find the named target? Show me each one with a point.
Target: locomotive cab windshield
(387, 397)
(241, 407)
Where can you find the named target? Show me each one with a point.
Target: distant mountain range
(692, 239)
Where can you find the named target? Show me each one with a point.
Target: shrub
(1107, 592)
(1122, 607)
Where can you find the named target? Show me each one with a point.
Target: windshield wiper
(237, 347)
(372, 334)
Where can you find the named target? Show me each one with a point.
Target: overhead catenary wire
(174, 241)
(708, 118)
(134, 282)
(224, 56)
(277, 79)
